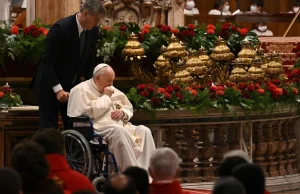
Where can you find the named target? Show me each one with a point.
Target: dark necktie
(82, 42)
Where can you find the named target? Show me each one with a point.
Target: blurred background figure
(262, 29)
(228, 185)
(140, 177)
(190, 9)
(296, 6)
(251, 176)
(256, 6)
(10, 181)
(231, 160)
(221, 8)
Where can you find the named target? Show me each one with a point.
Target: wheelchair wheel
(78, 152)
(98, 184)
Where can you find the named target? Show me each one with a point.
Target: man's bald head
(119, 184)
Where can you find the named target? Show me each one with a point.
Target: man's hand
(117, 114)
(108, 91)
(62, 96)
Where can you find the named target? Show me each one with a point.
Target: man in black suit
(70, 51)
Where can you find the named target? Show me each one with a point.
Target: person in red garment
(164, 166)
(54, 147)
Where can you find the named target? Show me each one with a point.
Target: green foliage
(8, 97)
(22, 43)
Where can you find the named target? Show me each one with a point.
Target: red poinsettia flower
(141, 87)
(169, 89)
(210, 26)
(191, 26)
(14, 30)
(145, 93)
(210, 31)
(26, 30)
(1, 94)
(261, 91)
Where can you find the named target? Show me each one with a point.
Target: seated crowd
(39, 167)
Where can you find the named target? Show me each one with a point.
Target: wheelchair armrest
(80, 119)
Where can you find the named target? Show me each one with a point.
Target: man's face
(107, 79)
(91, 20)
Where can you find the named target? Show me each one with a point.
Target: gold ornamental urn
(255, 72)
(196, 67)
(274, 67)
(238, 74)
(247, 53)
(221, 52)
(182, 77)
(176, 54)
(133, 48)
(162, 67)
(134, 54)
(175, 49)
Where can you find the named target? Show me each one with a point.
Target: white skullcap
(99, 67)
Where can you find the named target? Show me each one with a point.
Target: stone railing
(202, 140)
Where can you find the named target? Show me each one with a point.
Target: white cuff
(57, 88)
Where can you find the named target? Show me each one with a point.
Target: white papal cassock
(131, 145)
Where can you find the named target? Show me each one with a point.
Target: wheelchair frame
(83, 133)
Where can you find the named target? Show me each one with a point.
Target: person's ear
(85, 13)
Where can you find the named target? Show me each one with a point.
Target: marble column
(176, 15)
(5, 10)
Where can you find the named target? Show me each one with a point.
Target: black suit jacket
(61, 62)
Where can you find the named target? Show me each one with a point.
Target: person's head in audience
(164, 164)
(261, 26)
(256, 6)
(251, 176)
(296, 6)
(119, 184)
(228, 185)
(222, 5)
(10, 181)
(29, 161)
(140, 177)
(231, 160)
(51, 141)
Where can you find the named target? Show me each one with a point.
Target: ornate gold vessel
(264, 62)
(134, 53)
(247, 53)
(163, 69)
(133, 48)
(255, 72)
(274, 67)
(221, 52)
(238, 74)
(196, 67)
(182, 77)
(175, 49)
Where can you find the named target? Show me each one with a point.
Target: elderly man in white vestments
(110, 110)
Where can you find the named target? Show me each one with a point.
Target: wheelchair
(87, 152)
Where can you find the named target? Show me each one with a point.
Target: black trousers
(48, 113)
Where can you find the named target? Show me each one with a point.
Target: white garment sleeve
(82, 102)
(57, 88)
(126, 105)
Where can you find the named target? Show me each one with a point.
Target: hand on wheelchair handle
(108, 91)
